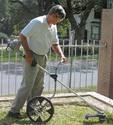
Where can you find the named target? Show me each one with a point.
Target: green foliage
(17, 13)
(3, 35)
(63, 28)
(4, 16)
(3, 8)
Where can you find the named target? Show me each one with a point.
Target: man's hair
(58, 9)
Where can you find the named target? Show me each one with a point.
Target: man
(37, 38)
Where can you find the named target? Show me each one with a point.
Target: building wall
(93, 27)
(109, 4)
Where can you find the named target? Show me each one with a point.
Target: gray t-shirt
(40, 35)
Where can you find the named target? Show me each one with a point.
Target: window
(95, 32)
(110, 4)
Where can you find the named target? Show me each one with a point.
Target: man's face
(55, 19)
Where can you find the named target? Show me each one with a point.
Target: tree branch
(70, 15)
(21, 3)
(87, 11)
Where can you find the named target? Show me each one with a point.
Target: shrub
(3, 35)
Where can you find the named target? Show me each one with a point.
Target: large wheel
(40, 109)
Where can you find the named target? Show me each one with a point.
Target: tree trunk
(80, 33)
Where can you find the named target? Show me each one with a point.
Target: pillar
(105, 72)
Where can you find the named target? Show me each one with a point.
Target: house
(94, 22)
(109, 4)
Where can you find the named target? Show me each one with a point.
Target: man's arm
(28, 54)
(57, 49)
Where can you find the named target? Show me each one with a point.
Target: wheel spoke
(39, 119)
(31, 107)
(50, 111)
(41, 100)
(40, 110)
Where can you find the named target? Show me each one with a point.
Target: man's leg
(39, 81)
(29, 77)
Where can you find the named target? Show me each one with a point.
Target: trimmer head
(101, 116)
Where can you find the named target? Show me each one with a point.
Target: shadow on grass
(26, 121)
(108, 121)
(91, 123)
(10, 121)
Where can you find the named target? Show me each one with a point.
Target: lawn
(64, 115)
(12, 55)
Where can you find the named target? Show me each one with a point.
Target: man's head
(56, 14)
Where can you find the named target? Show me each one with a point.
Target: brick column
(105, 76)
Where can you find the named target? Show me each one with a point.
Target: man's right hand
(28, 56)
(28, 53)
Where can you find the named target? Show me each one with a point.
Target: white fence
(81, 71)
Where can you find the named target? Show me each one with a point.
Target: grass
(82, 89)
(5, 56)
(64, 115)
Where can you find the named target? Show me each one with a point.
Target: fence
(80, 73)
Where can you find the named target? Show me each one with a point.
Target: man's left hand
(64, 59)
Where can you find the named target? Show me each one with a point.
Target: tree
(80, 9)
(4, 16)
(3, 8)
(21, 11)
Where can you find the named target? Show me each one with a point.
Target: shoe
(14, 115)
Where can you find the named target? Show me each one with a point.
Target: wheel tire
(38, 108)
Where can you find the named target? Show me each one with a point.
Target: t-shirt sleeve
(29, 29)
(55, 39)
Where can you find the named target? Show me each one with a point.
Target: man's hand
(58, 50)
(63, 59)
(28, 53)
(28, 57)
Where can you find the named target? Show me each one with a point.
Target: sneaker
(14, 115)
